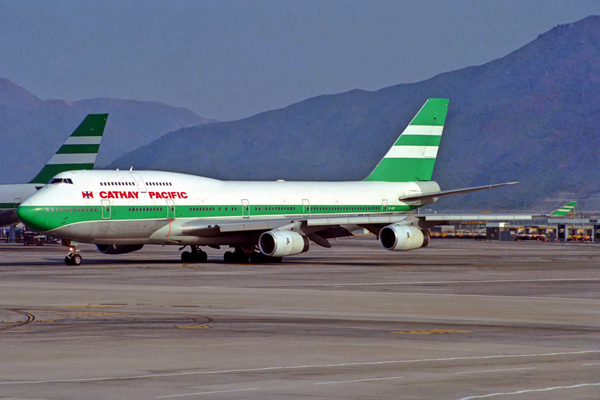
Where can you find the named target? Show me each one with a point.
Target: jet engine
(403, 238)
(282, 243)
(118, 248)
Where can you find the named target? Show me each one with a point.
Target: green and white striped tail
(412, 157)
(564, 210)
(79, 151)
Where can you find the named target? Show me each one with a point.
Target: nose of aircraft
(32, 216)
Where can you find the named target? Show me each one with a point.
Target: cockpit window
(61, 180)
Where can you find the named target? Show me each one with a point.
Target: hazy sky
(232, 59)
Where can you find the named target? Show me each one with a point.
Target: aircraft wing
(435, 195)
(319, 229)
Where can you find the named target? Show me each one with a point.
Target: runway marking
(359, 380)
(199, 393)
(193, 326)
(30, 318)
(598, 363)
(530, 391)
(90, 306)
(431, 332)
(492, 370)
(429, 282)
(292, 367)
(96, 313)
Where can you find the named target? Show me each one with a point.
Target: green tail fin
(564, 210)
(78, 152)
(412, 157)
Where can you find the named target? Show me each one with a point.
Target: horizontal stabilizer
(429, 196)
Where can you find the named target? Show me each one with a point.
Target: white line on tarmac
(428, 282)
(359, 380)
(598, 363)
(280, 368)
(199, 393)
(530, 391)
(492, 370)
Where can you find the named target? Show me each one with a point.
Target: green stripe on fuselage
(67, 215)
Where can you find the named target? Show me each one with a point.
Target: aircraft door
(140, 182)
(170, 209)
(245, 208)
(17, 202)
(105, 209)
(305, 208)
(384, 205)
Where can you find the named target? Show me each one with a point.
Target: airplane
(121, 211)
(564, 210)
(78, 152)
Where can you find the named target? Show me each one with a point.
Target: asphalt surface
(460, 319)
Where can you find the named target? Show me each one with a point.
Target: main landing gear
(195, 256)
(73, 257)
(244, 254)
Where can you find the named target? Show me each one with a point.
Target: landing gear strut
(73, 257)
(196, 255)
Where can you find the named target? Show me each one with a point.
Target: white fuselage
(107, 207)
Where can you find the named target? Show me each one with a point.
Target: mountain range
(34, 129)
(530, 116)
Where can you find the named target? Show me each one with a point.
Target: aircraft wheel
(258, 258)
(68, 260)
(186, 256)
(76, 259)
(200, 256)
(275, 259)
(229, 257)
(240, 257)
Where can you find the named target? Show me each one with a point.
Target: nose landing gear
(73, 257)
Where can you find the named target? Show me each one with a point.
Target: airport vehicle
(78, 152)
(121, 211)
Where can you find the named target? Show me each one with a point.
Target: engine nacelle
(403, 238)
(118, 248)
(282, 243)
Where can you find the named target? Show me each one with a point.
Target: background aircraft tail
(564, 210)
(78, 152)
(412, 157)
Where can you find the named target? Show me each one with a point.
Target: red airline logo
(168, 195)
(116, 194)
(87, 195)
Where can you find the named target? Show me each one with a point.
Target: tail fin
(564, 210)
(79, 151)
(412, 157)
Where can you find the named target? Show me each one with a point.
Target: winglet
(412, 157)
(78, 152)
(564, 210)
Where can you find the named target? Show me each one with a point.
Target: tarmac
(460, 319)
